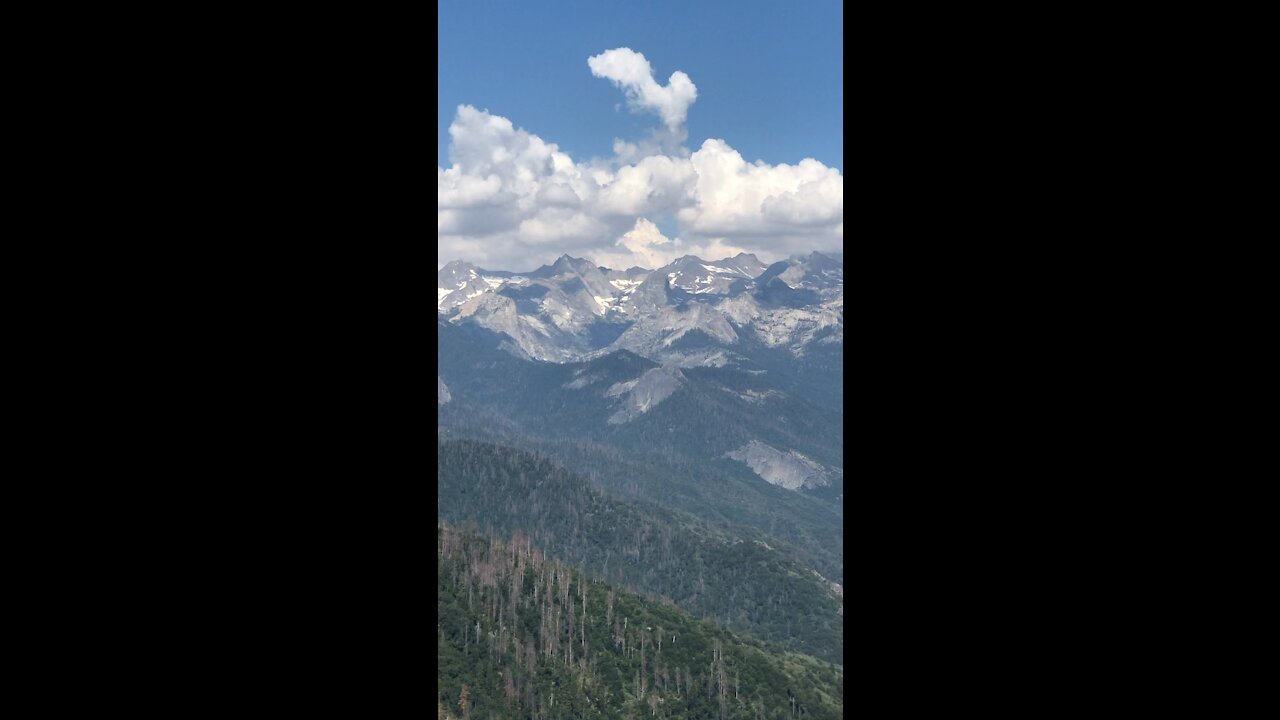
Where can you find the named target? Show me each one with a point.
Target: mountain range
(676, 431)
(786, 318)
(756, 349)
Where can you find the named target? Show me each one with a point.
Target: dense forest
(522, 636)
(740, 580)
(722, 493)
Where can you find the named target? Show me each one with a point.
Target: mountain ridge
(575, 309)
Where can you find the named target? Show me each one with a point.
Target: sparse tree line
(523, 636)
(743, 584)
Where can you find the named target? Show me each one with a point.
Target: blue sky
(732, 111)
(769, 74)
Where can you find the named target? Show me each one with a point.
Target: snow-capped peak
(689, 312)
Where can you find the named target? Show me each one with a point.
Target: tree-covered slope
(736, 578)
(521, 636)
(707, 412)
(674, 453)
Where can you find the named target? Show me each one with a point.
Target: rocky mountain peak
(690, 312)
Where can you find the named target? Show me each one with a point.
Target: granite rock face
(644, 393)
(789, 469)
(690, 313)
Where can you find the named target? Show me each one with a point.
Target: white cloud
(642, 245)
(716, 249)
(512, 201)
(555, 226)
(462, 191)
(645, 245)
(630, 71)
(558, 193)
(653, 185)
(734, 197)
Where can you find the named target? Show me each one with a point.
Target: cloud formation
(510, 200)
(643, 245)
(630, 71)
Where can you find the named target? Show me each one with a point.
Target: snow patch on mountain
(472, 285)
(567, 311)
(624, 286)
(442, 391)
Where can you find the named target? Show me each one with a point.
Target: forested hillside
(714, 409)
(673, 455)
(521, 636)
(737, 579)
(723, 494)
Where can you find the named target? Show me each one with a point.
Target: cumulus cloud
(644, 243)
(734, 197)
(631, 72)
(654, 184)
(511, 200)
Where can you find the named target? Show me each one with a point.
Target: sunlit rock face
(690, 313)
(644, 393)
(788, 469)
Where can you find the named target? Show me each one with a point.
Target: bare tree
(644, 678)
(509, 687)
(721, 685)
